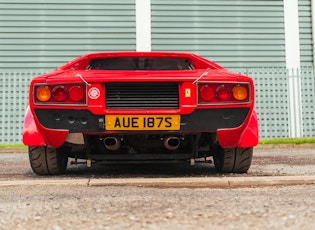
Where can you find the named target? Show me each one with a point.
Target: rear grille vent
(141, 95)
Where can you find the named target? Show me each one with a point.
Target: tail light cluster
(60, 94)
(223, 93)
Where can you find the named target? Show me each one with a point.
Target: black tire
(47, 161)
(233, 160)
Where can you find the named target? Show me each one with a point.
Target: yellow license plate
(142, 122)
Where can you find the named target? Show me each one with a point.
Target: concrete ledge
(13, 150)
(181, 182)
(206, 182)
(46, 182)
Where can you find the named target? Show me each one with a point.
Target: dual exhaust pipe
(114, 143)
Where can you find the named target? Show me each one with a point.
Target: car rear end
(147, 115)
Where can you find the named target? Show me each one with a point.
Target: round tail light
(59, 93)
(240, 93)
(207, 93)
(43, 93)
(224, 93)
(76, 93)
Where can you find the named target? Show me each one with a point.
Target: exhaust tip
(112, 143)
(171, 143)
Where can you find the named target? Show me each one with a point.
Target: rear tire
(47, 161)
(233, 160)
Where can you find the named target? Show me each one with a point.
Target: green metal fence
(271, 94)
(13, 100)
(284, 101)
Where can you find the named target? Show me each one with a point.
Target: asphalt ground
(277, 193)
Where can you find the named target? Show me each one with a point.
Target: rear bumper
(201, 120)
(51, 127)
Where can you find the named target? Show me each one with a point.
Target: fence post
(295, 104)
(293, 63)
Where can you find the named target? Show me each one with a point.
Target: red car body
(140, 106)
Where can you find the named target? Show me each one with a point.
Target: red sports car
(116, 107)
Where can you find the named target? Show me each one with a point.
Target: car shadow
(147, 170)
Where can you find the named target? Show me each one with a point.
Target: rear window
(145, 63)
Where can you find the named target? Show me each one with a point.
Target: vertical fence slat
(308, 101)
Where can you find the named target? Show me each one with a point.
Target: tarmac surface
(277, 193)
